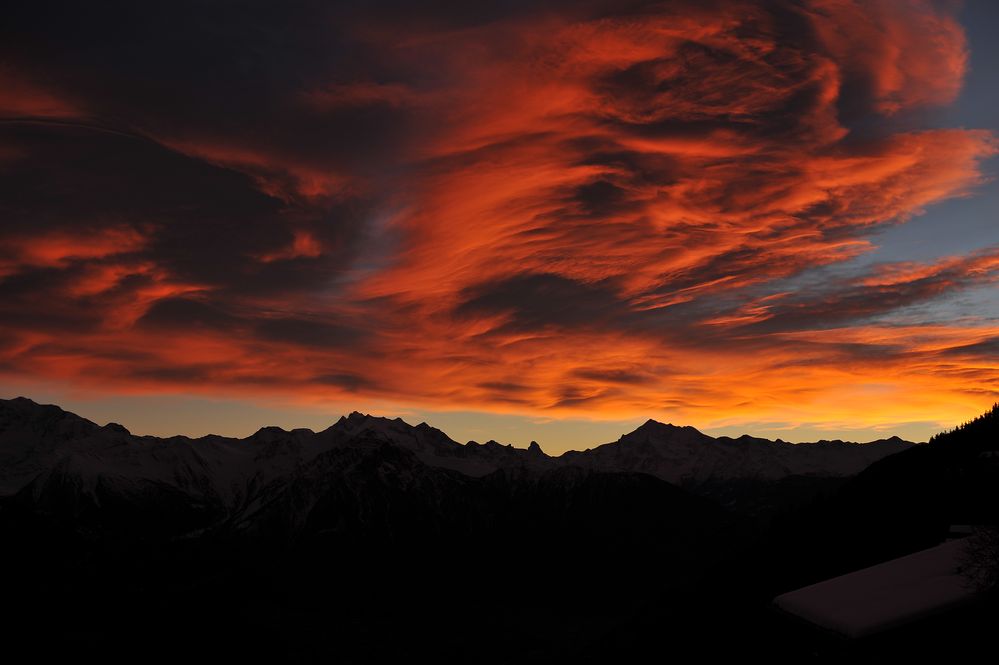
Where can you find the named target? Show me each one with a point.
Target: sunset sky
(526, 220)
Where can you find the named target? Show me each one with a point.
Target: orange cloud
(59, 248)
(909, 53)
(24, 97)
(576, 211)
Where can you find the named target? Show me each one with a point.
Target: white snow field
(884, 596)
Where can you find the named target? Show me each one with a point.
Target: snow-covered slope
(433, 447)
(887, 595)
(685, 456)
(57, 459)
(34, 437)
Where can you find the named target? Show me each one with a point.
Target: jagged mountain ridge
(686, 456)
(39, 440)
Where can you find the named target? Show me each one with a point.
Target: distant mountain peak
(356, 421)
(653, 429)
(356, 416)
(115, 427)
(535, 449)
(659, 425)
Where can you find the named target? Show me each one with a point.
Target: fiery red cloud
(574, 210)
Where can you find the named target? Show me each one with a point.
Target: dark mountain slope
(899, 504)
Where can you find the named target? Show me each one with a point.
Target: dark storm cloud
(504, 386)
(71, 174)
(35, 299)
(534, 302)
(600, 198)
(345, 380)
(570, 396)
(987, 349)
(197, 71)
(308, 332)
(621, 376)
(639, 168)
(200, 222)
(182, 313)
(183, 374)
(185, 314)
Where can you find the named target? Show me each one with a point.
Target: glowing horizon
(170, 415)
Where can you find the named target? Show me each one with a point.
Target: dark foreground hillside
(899, 505)
(457, 570)
(362, 552)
